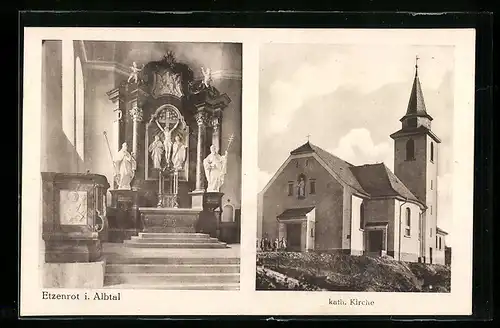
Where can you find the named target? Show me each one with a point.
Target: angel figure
(135, 73)
(177, 85)
(207, 76)
(167, 139)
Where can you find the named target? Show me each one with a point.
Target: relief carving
(167, 83)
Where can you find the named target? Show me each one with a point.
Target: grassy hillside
(339, 272)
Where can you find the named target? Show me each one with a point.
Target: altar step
(170, 278)
(171, 261)
(174, 240)
(171, 269)
(173, 286)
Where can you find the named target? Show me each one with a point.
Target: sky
(349, 99)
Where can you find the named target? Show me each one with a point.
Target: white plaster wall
(357, 244)
(346, 219)
(439, 253)
(409, 245)
(311, 220)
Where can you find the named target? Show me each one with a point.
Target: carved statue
(135, 73)
(215, 169)
(178, 153)
(126, 166)
(301, 187)
(167, 138)
(207, 76)
(156, 148)
(178, 85)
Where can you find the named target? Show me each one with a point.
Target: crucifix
(416, 61)
(167, 117)
(308, 136)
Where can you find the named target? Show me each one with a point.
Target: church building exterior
(319, 202)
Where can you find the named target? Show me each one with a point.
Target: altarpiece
(169, 119)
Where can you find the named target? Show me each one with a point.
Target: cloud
(263, 179)
(301, 74)
(357, 147)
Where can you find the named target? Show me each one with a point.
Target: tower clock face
(73, 207)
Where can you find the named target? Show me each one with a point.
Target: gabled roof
(373, 180)
(337, 165)
(379, 181)
(295, 212)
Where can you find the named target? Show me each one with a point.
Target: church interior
(141, 164)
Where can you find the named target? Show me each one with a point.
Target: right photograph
(355, 167)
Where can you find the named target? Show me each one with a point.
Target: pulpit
(74, 216)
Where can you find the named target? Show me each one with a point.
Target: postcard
(247, 171)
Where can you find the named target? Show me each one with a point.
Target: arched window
(79, 108)
(432, 152)
(408, 222)
(410, 150)
(362, 215)
(68, 90)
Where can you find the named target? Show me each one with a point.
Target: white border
(247, 300)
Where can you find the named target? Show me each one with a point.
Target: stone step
(173, 268)
(174, 240)
(176, 235)
(173, 286)
(170, 230)
(133, 243)
(178, 278)
(171, 260)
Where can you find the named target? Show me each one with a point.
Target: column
(136, 114)
(216, 123)
(201, 120)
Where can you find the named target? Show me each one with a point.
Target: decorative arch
(410, 150)
(168, 107)
(163, 114)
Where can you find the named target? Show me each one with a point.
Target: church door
(375, 241)
(293, 236)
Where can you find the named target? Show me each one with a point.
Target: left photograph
(141, 165)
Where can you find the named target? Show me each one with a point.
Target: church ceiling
(217, 56)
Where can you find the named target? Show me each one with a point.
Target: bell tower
(416, 150)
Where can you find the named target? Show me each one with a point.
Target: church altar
(164, 180)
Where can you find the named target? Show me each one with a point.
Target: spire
(416, 104)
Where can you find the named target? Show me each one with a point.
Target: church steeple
(416, 155)
(416, 112)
